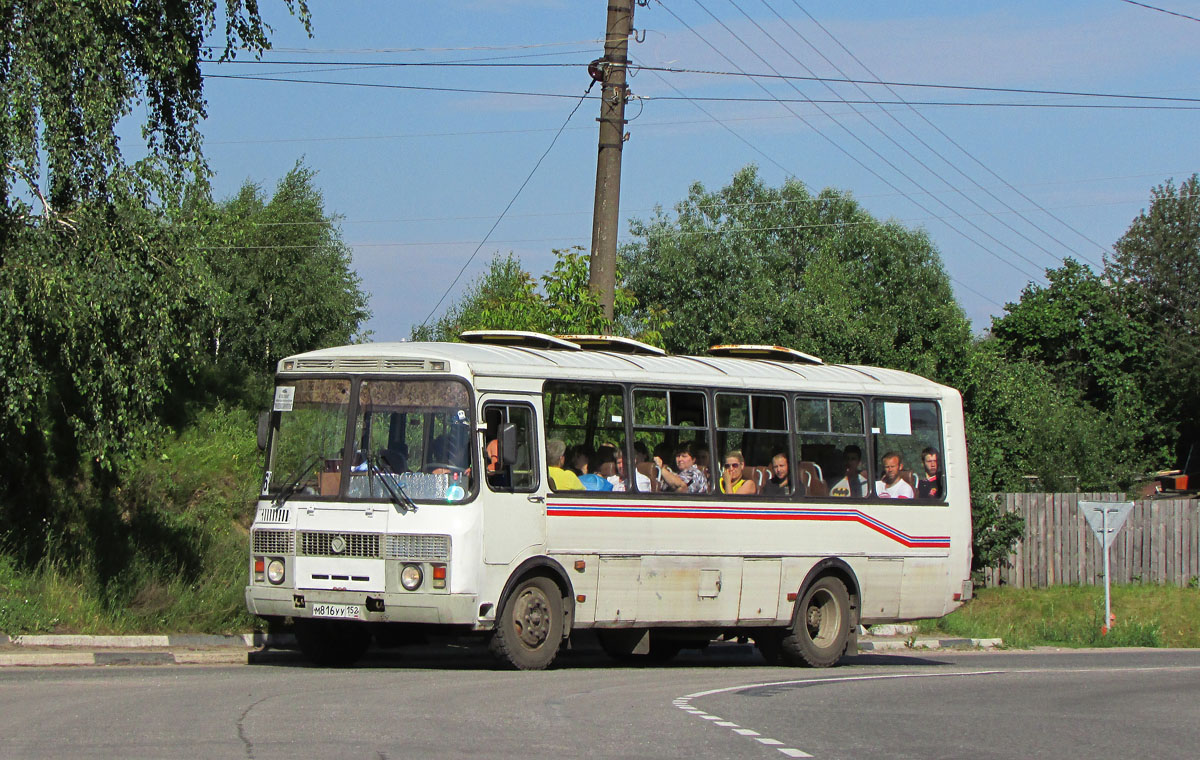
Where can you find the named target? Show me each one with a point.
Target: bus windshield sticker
(896, 418)
(284, 396)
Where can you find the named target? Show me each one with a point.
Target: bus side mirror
(508, 445)
(264, 428)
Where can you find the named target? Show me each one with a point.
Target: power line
(847, 153)
(921, 85)
(720, 231)
(787, 172)
(811, 77)
(915, 136)
(712, 99)
(374, 51)
(516, 195)
(777, 202)
(1162, 10)
(951, 140)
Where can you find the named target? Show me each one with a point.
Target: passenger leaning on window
(732, 481)
(688, 479)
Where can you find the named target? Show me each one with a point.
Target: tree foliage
(755, 264)
(69, 72)
(1155, 273)
(507, 297)
(103, 289)
(283, 274)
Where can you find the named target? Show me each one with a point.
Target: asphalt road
(449, 703)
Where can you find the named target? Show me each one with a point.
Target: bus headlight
(410, 577)
(275, 571)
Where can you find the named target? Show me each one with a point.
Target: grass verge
(166, 553)
(1072, 616)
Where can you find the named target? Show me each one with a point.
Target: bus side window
(833, 444)
(666, 422)
(910, 430)
(523, 474)
(589, 418)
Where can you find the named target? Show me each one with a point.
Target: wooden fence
(1159, 543)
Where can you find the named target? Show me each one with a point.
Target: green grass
(1072, 616)
(173, 554)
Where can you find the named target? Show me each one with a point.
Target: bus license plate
(349, 611)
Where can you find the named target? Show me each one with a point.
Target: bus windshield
(310, 437)
(416, 435)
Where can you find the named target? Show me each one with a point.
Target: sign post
(1105, 518)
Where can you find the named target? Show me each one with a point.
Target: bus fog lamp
(275, 571)
(410, 577)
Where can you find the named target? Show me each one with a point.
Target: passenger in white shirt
(618, 480)
(893, 486)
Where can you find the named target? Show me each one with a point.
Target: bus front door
(514, 514)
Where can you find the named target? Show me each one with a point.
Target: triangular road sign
(1102, 515)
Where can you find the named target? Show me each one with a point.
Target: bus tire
(530, 629)
(821, 625)
(332, 643)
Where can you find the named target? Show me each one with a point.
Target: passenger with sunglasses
(732, 481)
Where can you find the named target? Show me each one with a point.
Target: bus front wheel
(530, 629)
(821, 626)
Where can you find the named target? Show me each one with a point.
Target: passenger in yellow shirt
(560, 479)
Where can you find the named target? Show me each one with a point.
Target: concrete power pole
(610, 71)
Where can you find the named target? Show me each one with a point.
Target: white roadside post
(1105, 518)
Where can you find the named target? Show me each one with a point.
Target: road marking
(685, 702)
(847, 679)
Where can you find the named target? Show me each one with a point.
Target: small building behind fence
(1159, 543)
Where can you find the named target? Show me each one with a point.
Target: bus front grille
(417, 547)
(273, 542)
(339, 545)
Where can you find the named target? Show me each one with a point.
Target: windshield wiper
(396, 492)
(297, 478)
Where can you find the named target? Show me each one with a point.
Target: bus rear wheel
(530, 629)
(821, 626)
(332, 643)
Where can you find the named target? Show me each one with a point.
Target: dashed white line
(685, 703)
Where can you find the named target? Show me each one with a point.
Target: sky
(419, 177)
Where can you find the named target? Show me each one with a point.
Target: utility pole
(610, 71)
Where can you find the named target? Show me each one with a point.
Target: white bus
(407, 489)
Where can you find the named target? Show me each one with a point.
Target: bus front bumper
(435, 609)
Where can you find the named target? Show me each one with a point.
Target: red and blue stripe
(756, 512)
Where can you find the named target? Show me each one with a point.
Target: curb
(256, 648)
(52, 659)
(252, 640)
(892, 646)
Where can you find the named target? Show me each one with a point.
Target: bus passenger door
(514, 514)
